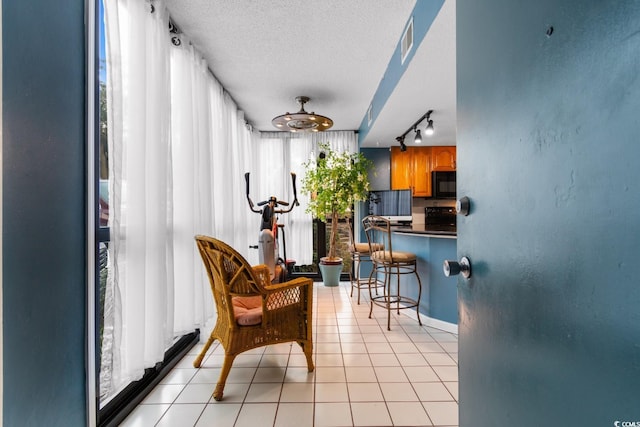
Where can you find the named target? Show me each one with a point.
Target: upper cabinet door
(443, 158)
(421, 172)
(401, 169)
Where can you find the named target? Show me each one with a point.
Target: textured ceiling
(265, 53)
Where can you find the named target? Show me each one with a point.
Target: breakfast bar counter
(421, 230)
(439, 293)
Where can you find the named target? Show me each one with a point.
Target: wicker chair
(285, 309)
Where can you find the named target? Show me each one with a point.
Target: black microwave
(443, 184)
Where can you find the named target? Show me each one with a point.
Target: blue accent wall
(439, 298)
(423, 14)
(380, 175)
(548, 151)
(44, 219)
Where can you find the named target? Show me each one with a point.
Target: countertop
(419, 229)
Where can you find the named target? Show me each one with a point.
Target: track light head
(400, 139)
(429, 130)
(418, 138)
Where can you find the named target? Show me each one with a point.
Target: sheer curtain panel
(210, 141)
(192, 183)
(139, 321)
(178, 149)
(232, 144)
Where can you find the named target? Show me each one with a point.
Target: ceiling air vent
(407, 41)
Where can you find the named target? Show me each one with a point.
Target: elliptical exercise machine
(268, 253)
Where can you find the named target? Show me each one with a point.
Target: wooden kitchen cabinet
(401, 169)
(421, 173)
(411, 169)
(443, 158)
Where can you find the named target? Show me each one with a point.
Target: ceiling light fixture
(302, 121)
(414, 127)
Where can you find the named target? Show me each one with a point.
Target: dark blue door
(549, 154)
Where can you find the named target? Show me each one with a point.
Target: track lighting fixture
(418, 138)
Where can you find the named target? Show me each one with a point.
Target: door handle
(463, 206)
(453, 268)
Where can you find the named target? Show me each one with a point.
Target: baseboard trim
(433, 323)
(439, 324)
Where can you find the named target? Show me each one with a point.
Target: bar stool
(388, 262)
(359, 254)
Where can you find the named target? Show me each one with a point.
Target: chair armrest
(291, 293)
(294, 283)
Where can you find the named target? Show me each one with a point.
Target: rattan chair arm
(294, 293)
(294, 283)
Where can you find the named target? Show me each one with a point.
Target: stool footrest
(386, 300)
(365, 284)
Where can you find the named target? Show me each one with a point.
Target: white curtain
(232, 143)
(276, 155)
(178, 151)
(192, 212)
(139, 315)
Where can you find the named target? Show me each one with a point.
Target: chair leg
(355, 279)
(308, 352)
(373, 270)
(387, 287)
(351, 280)
(224, 373)
(398, 288)
(415, 270)
(198, 361)
(358, 278)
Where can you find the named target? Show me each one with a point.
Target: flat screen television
(394, 205)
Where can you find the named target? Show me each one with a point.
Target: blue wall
(380, 176)
(548, 152)
(44, 238)
(439, 299)
(439, 293)
(423, 14)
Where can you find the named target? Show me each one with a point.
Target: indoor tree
(334, 182)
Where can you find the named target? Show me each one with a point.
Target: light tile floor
(364, 376)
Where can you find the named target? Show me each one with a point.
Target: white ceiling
(265, 53)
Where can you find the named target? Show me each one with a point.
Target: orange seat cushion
(247, 311)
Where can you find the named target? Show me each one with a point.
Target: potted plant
(334, 182)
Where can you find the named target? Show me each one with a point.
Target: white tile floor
(364, 376)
